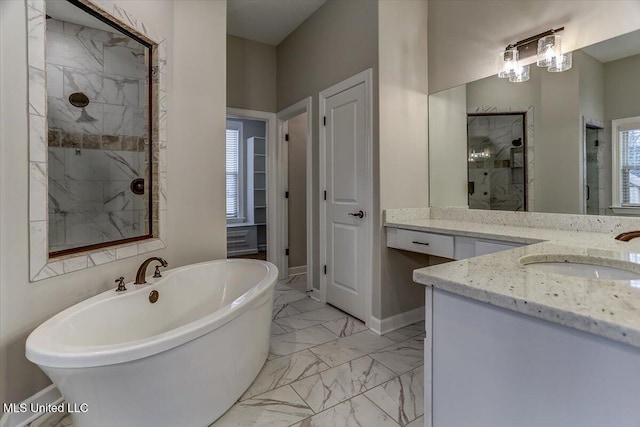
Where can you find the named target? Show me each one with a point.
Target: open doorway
(297, 201)
(248, 184)
(294, 124)
(246, 188)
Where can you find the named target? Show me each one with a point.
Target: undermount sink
(583, 266)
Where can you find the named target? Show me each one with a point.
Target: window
(626, 162)
(234, 171)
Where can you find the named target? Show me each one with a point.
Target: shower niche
(497, 175)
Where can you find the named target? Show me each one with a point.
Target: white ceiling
(268, 21)
(615, 48)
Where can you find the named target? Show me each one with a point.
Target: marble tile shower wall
(92, 162)
(89, 196)
(499, 180)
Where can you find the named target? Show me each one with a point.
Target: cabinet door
(483, 247)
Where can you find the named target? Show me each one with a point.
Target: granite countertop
(608, 308)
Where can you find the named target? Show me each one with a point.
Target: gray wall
(251, 75)
(298, 191)
(622, 98)
(403, 177)
(336, 42)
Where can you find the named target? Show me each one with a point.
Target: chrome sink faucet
(142, 271)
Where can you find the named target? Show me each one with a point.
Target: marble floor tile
(308, 304)
(345, 326)
(402, 357)
(298, 282)
(328, 388)
(356, 412)
(366, 341)
(418, 326)
(296, 278)
(285, 370)
(335, 353)
(311, 318)
(280, 286)
(407, 332)
(295, 341)
(402, 397)
(348, 348)
(277, 329)
(286, 296)
(418, 422)
(283, 311)
(277, 408)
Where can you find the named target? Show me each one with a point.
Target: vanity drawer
(418, 241)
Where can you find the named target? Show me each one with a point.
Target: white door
(347, 196)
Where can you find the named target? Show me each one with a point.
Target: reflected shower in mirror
(559, 143)
(98, 117)
(496, 163)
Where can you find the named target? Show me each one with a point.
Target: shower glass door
(496, 161)
(594, 153)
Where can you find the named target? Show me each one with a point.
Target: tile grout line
(392, 379)
(376, 405)
(336, 404)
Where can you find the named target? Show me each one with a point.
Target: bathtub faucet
(142, 271)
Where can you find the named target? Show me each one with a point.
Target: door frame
(303, 106)
(365, 77)
(273, 254)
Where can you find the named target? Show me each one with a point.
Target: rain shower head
(80, 100)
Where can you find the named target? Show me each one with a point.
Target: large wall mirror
(97, 146)
(566, 142)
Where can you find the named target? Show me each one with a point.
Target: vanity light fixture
(548, 48)
(561, 63)
(520, 74)
(508, 62)
(474, 155)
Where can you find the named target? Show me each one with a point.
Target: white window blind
(233, 172)
(629, 140)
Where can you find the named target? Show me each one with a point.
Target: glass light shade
(561, 63)
(549, 47)
(520, 74)
(508, 61)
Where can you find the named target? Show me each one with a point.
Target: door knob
(359, 214)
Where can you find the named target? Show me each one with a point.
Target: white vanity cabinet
(488, 366)
(443, 245)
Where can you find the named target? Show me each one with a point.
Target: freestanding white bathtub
(182, 361)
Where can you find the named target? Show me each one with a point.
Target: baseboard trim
(49, 395)
(294, 271)
(390, 324)
(314, 294)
